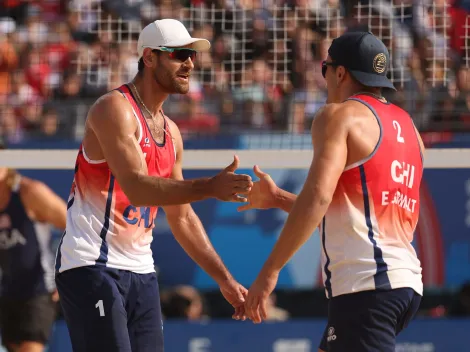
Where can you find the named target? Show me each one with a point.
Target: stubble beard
(170, 83)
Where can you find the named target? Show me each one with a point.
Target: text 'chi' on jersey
(368, 228)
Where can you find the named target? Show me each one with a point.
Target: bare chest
(157, 129)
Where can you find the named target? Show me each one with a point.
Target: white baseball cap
(168, 33)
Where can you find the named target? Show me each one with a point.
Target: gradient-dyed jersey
(103, 227)
(368, 228)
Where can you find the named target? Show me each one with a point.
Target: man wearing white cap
(129, 164)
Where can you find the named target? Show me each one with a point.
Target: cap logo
(380, 63)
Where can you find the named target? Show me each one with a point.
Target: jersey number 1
(397, 126)
(100, 306)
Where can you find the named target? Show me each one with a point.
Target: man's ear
(148, 57)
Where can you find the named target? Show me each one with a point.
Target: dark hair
(141, 65)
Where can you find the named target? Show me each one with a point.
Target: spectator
(183, 302)
(263, 72)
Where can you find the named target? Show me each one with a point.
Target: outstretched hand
(229, 186)
(262, 194)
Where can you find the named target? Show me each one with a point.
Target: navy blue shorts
(111, 310)
(368, 321)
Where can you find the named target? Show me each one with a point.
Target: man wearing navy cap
(362, 190)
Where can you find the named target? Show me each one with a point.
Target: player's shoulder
(109, 110)
(334, 115)
(109, 102)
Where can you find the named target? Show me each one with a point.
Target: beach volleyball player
(362, 189)
(128, 165)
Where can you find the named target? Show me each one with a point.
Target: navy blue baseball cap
(364, 56)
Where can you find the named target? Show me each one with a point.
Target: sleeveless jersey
(103, 227)
(26, 258)
(368, 228)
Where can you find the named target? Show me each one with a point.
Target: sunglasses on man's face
(181, 54)
(324, 66)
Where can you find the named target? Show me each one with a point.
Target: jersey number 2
(397, 126)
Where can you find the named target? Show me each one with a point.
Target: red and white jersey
(368, 229)
(103, 227)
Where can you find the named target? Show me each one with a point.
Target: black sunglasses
(181, 54)
(324, 66)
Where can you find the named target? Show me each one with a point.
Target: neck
(150, 92)
(353, 90)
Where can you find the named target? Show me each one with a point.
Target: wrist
(223, 279)
(204, 187)
(269, 271)
(278, 197)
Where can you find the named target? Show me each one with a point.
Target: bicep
(114, 125)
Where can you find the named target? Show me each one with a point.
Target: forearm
(285, 200)
(190, 234)
(158, 191)
(303, 219)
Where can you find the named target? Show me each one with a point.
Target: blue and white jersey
(26, 259)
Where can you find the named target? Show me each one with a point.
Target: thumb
(234, 165)
(259, 173)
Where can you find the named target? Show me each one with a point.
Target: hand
(258, 295)
(228, 186)
(262, 194)
(235, 294)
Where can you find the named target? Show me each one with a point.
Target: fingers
(258, 172)
(242, 177)
(243, 183)
(234, 165)
(252, 310)
(239, 313)
(244, 207)
(263, 309)
(238, 199)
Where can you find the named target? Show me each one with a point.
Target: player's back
(103, 227)
(368, 228)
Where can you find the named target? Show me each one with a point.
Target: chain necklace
(155, 126)
(380, 97)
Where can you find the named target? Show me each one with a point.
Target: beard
(170, 82)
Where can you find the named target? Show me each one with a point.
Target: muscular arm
(43, 204)
(112, 121)
(188, 229)
(329, 136)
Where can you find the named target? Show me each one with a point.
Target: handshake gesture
(252, 304)
(262, 194)
(229, 186)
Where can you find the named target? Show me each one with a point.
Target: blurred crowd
(263, 73)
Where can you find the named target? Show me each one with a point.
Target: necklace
(374, 95)
(155, 126)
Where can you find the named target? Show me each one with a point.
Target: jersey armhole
(379, 142)
(417, 140)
